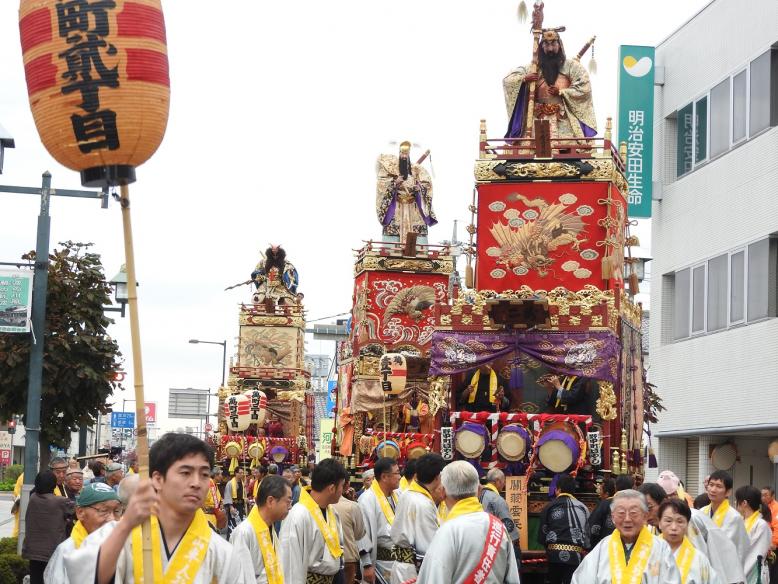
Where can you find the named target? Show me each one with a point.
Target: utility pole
(38, 330)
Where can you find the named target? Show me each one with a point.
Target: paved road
(6, 519)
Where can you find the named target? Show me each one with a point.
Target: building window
(758, 279)
(698, 299)
(719, 118)
(685, 149)
(681, 305)
(701, 130)
(759, 102)
(730, 289)
(738, 108)
(717, 293)
(737, 287)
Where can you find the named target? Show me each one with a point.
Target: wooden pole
(142, 445)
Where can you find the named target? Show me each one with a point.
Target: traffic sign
(122, 419)
(151, 412)
(209, 427)
(5, 456)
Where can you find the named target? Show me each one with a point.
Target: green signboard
(636, 123)
(15, 301)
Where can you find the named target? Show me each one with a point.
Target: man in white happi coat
(719, 488)
(471, 545)
(311, 535)
(96, 505)
(749, 503)
(257, 533)
(182, 542)
(378, 508)
(416, 518)
(631, 554)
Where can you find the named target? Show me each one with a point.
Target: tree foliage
(80, 359)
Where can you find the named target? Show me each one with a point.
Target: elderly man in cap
(96, 505)
(114, 473)
(59, 466)
(74, 482)
(367, 480)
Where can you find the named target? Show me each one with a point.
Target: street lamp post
(224, 365)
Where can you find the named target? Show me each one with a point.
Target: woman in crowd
(674, 516)
(45, 524)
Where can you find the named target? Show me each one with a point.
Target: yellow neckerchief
(59, 491)
(632, 572)
(442, 512)
(721, 512)
(383, 501)
(566, 385)
(234, 488)
(187, 559)
(492, 385)
(751, 521)
(684, 558)
(257, 484)
(464, 507)
(269, 557)
(404, 484)
(415, 487)
(78, 534)
(130, 471)
(329, 530)
(491, 487)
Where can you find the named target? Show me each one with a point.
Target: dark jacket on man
(600, 524)
(562, 525)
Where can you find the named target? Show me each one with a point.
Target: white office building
(713, 331)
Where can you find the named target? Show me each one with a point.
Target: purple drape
(586, 354)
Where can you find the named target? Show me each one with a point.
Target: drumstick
(423, 157)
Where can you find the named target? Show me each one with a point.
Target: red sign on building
(151, 411)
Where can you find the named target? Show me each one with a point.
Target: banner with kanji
(636, 123)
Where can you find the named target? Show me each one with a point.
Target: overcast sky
(278, 111)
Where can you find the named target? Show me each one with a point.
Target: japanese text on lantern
(85, 26)
(516, 496)
(635, 156)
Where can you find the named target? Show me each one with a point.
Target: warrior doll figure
(403, 196)
(562, 93)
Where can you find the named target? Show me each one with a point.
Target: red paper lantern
(98, 83)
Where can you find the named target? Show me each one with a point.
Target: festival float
(536, 366)
(266, 410)
(385, 403)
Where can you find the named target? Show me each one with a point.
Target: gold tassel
(607, 268)
(523, 13)
(469, 276)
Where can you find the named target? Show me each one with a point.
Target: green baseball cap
(95, 493)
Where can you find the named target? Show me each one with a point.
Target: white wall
(725, 378)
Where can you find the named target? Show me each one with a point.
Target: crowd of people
(430, 522)
(657, 534)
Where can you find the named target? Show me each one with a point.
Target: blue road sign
(122, 419)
